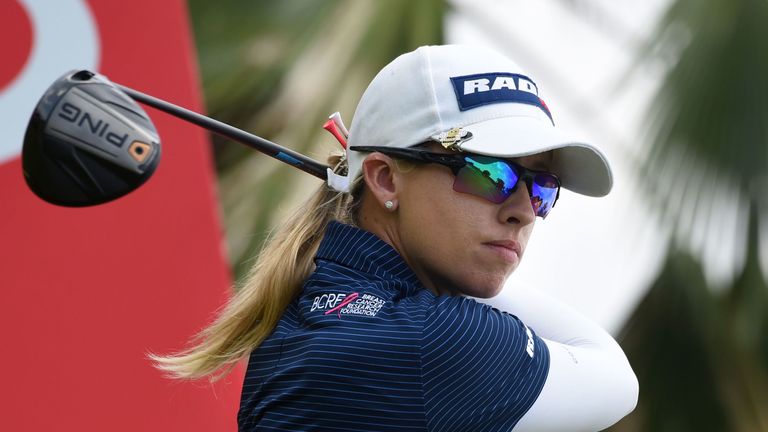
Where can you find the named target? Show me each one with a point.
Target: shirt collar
(363, 251)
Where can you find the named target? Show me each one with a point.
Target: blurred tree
(673, 353)
(279, 68)
(701, 354)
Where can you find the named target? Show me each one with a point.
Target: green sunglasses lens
(495, 180)
(486, 177)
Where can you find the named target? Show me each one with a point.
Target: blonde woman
(358, 314)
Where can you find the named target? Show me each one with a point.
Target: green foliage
(709, 120)
(676, 350)
(279, 68)
(701, 358)
(747, 302)
(698, 356)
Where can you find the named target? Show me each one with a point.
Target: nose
(517, 209)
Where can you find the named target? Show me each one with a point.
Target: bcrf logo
(327, 301)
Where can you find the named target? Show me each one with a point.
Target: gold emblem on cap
(453, 138)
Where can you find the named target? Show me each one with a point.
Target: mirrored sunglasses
(492, 178)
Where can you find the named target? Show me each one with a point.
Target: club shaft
(267, 147)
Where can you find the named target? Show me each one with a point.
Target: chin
(488, 291)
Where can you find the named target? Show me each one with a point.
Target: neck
(383, 224)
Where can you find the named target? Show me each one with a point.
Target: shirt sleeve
(482, 369)
(590, 384)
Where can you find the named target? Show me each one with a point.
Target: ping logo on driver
(473, 91)
(91, 123)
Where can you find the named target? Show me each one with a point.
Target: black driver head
(87, 142)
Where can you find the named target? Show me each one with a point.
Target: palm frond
(279, 69)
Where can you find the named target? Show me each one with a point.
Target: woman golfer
(358, 314)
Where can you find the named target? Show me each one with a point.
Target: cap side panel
(430, 83)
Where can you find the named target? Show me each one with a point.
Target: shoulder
(464, 325)
(479, 360)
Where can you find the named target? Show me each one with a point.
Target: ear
(382, 177)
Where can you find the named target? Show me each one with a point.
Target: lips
(509, 249)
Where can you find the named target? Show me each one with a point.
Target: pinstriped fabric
(477, 370)
(366, 348)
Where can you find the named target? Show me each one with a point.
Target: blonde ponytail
(276, 278)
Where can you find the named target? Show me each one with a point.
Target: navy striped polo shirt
(365, 347)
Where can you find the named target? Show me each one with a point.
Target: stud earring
(389, 205)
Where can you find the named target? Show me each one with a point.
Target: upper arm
(588, 389)
(590, 385)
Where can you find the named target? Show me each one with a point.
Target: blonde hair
(275, 279)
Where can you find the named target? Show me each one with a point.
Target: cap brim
(582, 167)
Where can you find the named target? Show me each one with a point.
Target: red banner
(85, 293)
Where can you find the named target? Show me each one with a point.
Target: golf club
(88, 141)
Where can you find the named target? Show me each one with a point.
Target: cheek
(441, 218)
(442, 232)
(432, 223)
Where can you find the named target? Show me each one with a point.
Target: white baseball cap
(471, 99)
